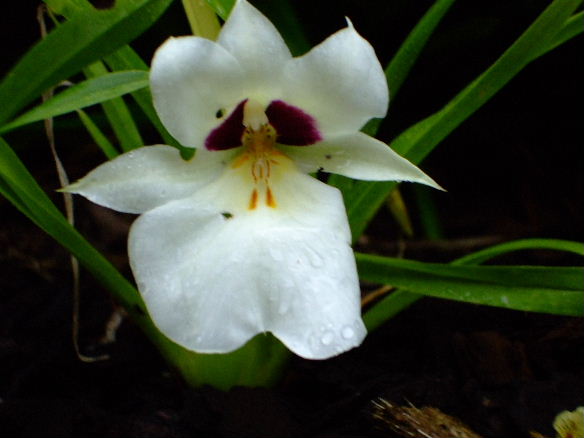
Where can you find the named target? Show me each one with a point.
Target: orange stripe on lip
(253, 201)
(270, 200)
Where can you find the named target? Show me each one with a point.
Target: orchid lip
(293, 126)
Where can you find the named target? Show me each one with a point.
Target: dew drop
(347, 332)
(327, 338)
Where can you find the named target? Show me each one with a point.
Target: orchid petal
(358, 156)
(148, 177)
(194, 83)
(256, 43)
(339, 82)
(230, 273)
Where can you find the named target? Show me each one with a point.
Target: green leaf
(43, 212)
(529, 288)
(85, 38)
(84, 94)
(401, 299)
(258, 363)
(98, 137)
(222, 7)
(117, 113)
(202, 19)
(419, 140)
(402, 62)
(574, 26)
(517, 245)
(127, 59)
(408, 53)
(67, 7)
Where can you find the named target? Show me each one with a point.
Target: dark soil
(514, 170)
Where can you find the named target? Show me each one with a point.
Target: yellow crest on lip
(259, 152)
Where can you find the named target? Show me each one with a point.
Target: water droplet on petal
(347, 332)
(327, 338)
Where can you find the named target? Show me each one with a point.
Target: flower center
(257, 128)
(259, 152)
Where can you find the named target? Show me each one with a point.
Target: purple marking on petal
(228, 134)
(294, 126)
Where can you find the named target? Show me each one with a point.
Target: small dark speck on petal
(227, 215)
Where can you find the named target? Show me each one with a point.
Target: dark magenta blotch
(294, 126)
(228, 134)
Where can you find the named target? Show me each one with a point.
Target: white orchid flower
(241, 240)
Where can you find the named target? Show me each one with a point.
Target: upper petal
(358, 156)
(340, 82)
(194, 82)
(148, 177)
(256, 43)
(214, 274)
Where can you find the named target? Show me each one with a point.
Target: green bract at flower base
(240, 240)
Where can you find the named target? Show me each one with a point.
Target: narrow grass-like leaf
(574, 26)
(7, 191)
(220, 370)
(87, 37)
(67, 7)
(84, 94)
(529, 288)
(389, 307)
(117, 113)
(202, 19)
(221, 7)
(127, 59)
(408, 53)
(550, 277)
(517, 245)
(401, 299)
(98, 137)
(427, 212)
(419, 140)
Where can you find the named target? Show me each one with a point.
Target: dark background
(513, 170)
